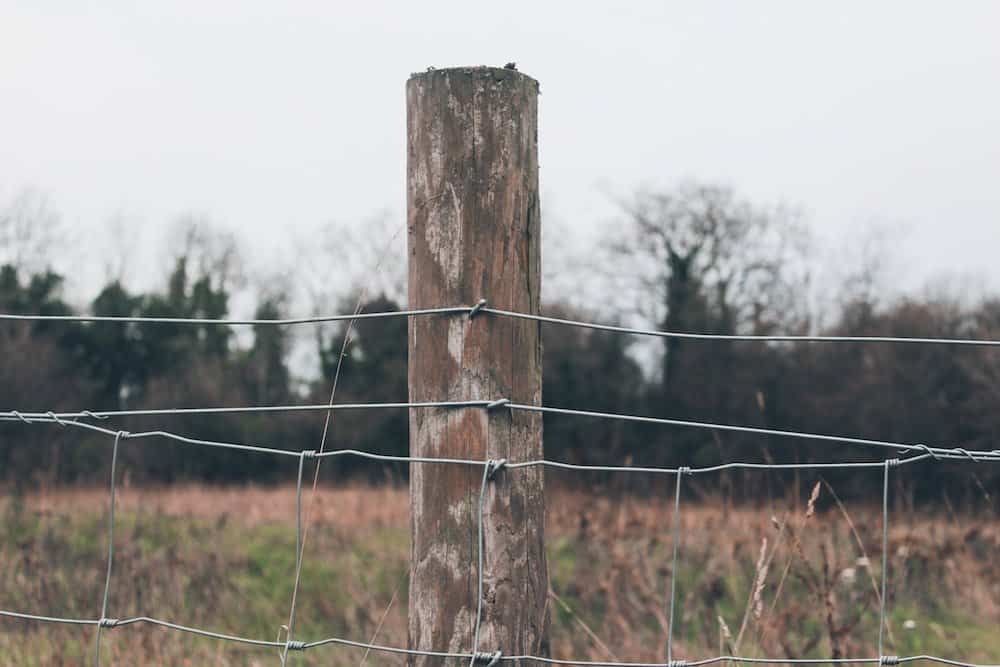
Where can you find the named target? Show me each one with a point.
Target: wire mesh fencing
(96, 421)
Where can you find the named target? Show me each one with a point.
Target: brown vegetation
(760, 580)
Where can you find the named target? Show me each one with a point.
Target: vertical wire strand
(327, 423)
(479, 547)
(885, 555)
(298, 557)
(673, 568)
(111, 548)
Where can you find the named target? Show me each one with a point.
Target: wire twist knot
(677, 663)
(476, 308)
(493, 466)
(108, 622)
(500, 402)
(888, 660)
(54, 417)
(123, 435)
(924, 448)
(308, 454)
(966, 452)
(892, 463)
(295, 646)
(683, 470)
(490, 659)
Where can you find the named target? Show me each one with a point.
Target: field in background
(790, 580)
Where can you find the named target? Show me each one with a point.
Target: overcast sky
(278, 116)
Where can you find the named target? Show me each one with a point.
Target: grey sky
(284, 115)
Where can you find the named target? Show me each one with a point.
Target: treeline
(697, 259)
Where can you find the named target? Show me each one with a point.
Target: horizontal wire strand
(762, 338)
(756, 430)
(240, 409)
(47, 619)
(198, 631)
(505, 658)
(478, 308)
(206, 321)
(945, 452)
(980, 457)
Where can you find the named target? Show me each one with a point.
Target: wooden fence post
(474, 233)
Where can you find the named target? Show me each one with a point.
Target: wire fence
(92, 421)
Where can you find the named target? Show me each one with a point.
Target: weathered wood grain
(474, 232)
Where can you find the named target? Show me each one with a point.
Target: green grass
(229, 578)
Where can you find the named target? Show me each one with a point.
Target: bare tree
(747, 259)
(334, 267)
(121, 239)
(700, 258)
(29, 231)
(339, 260)
(860, 267)
(210, 251)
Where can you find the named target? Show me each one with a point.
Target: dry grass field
(798, 579)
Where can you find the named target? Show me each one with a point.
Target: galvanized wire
(885, 552)
(237, 409)
(298, 556)
(488, 656)
(736, 658)
(931, 453)
(475, 655)
(921, 452)
(779, 338)
(301, 536)
(206, 321)
(198, 631)
(479, 567)
(103, 621)
(937, 451)
(482, 307)
(47, 619)
(673, 567)
(926, 453)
